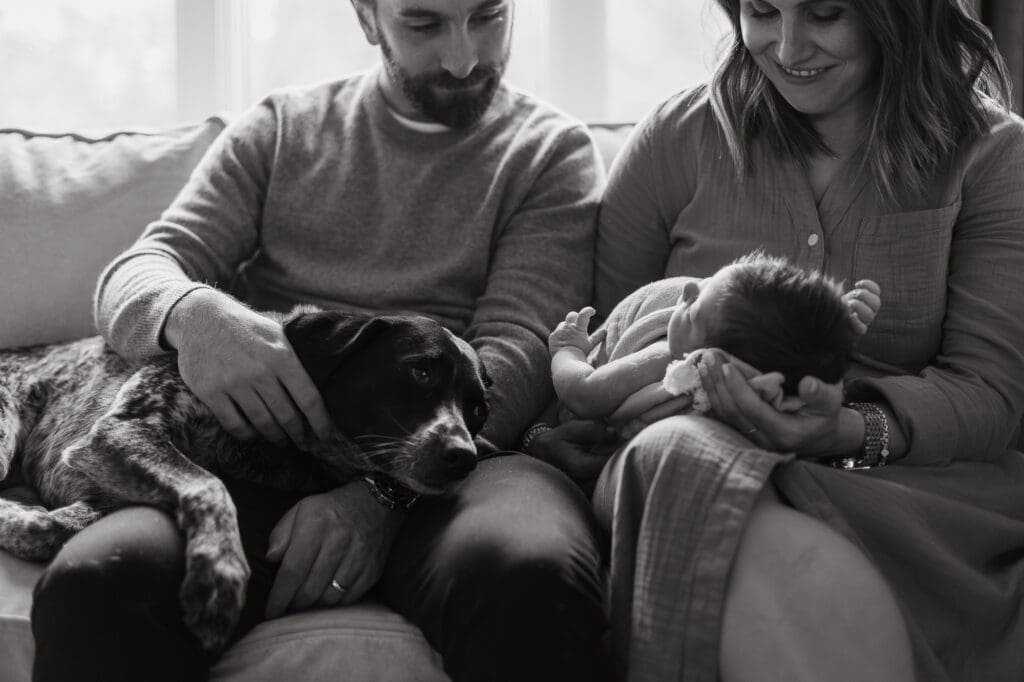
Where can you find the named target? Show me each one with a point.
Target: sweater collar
(418, 132)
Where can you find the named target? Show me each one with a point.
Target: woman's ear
(366, 10)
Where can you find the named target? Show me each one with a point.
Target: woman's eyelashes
(819, 13)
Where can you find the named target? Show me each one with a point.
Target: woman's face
(817, 53)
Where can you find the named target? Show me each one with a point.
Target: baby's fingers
(861, 315)
(598, 337)
(868, 298)
(583, 321)
(869, 285)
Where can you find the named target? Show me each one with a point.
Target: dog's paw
(212, 595)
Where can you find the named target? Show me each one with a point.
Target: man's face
(446, 57)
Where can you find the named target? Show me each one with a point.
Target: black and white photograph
(511, 341)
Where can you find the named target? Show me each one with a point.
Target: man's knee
(518, 614)
(538, 550)
(506, 579)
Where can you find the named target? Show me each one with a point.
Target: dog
(91, 432)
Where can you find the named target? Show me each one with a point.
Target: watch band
(875, 451)
(389, 493)
(532, 433)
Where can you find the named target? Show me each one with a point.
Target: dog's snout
(459, 460)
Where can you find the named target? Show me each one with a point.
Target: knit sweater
(319, 195)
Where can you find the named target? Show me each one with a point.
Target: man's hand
(343, 535)
(573, 448)
(239, 364)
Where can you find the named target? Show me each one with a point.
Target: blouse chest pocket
(907, 254)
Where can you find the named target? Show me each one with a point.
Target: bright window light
(72, 65)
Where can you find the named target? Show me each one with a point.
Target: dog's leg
(129, 453)
(35, 534)
(125, 458)
(10, 427)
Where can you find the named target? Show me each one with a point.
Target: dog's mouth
(344, 457)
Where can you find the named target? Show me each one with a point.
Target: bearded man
(426, 185)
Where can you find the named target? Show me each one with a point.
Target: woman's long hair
(938, 74)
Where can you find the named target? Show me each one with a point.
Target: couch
(68, 204)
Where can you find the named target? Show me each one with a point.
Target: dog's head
(405, 390)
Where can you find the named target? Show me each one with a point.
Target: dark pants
(504, 578)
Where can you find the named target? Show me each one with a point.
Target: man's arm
(157, 296)
(209, 230)
(541, 267)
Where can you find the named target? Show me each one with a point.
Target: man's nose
(460, 56)
(793, 43)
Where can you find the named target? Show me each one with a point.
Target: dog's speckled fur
(91, 432)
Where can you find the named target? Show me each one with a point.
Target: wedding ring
(339, 587)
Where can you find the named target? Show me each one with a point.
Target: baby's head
(770, 314)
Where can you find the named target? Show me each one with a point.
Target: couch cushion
(609, 138)
(68, 204)
(365, 642)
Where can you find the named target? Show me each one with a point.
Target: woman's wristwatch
(875, 452)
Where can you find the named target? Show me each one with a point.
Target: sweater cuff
(165, 304)
(924, 413)
(138, 324)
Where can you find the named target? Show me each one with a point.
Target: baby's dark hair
(781, 318)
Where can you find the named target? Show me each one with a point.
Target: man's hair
(781, 318)
(939, 74)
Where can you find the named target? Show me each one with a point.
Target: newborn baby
(643, 364)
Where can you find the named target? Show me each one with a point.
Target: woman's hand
(344, 535)
(814, 430)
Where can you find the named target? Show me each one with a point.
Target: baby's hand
(572, 332)
(864, 300)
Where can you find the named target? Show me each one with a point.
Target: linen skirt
(949, 540)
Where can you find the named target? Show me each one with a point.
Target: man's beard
(460, 103)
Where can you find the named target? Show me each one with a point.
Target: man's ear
(366, 10)
(323, 340)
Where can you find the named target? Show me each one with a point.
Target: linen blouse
(945, 351)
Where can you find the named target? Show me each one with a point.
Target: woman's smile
(801, 75)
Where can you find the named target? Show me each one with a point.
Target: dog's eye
(420, 375)
(480, 413)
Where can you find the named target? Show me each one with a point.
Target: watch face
(389, 492)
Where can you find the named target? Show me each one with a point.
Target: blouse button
(812, 240)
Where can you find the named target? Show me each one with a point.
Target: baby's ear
(690, 292)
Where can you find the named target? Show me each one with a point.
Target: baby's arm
(864, 301)
(595, 393)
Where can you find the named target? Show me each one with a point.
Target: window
(86, 64)
(71, 65)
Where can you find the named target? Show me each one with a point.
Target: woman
(868, 139)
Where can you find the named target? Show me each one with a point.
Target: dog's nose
(459, 461)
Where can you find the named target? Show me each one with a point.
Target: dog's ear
(322, 340)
